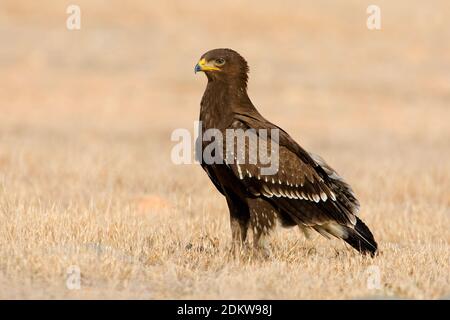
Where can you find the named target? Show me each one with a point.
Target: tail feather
(361, 238)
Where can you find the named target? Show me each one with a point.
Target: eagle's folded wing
(298, 187)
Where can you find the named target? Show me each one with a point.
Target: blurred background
(132, 64)
(86, 117)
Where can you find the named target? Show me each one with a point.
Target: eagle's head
(223, 64)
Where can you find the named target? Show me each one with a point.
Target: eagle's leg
(262, 218)
(239, 223)
(238, 233)
(261, 244)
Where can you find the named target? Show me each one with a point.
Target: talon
(265, 252)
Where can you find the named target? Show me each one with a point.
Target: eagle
(304, 191)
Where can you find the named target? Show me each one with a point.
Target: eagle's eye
(219, 62)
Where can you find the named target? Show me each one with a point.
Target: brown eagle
(304, 191)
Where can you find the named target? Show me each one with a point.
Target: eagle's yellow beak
(202, 65)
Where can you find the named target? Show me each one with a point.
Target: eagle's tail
(361, 238)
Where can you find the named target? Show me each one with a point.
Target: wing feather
(304, 186)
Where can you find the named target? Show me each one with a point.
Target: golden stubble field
(86, 180)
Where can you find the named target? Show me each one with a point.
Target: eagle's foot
(264, 252)
(262, 248)
(238, 249)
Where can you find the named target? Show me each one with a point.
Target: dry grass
(86, 117)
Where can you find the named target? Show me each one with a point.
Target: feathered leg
(262, 219)
(238, 233)
(239, 223)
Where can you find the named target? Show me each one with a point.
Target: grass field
(86, 179)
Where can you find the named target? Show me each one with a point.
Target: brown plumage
(305, 191)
